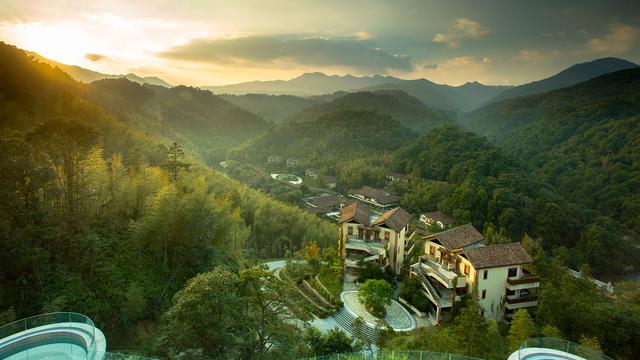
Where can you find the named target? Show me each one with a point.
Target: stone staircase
(345, 319)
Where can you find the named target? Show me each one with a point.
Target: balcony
(525, 281)
(513, 303)
(371, 247)
(447, 277)
(442, 297)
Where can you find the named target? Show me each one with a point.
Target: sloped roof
(324, 200)
(438, 216)
(498, 255)
(395, 218)
(459, 237)
(380, 195)
(355, 211)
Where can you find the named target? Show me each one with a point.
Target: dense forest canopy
(99, 218)
(583, 140)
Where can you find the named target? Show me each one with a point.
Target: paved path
(324, 325)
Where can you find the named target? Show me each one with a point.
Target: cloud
(430, 66)
(363, 35)
(529, 55)
(284, 51)
(620, 38)
(463, 28)
(462, 69)
(95, 57)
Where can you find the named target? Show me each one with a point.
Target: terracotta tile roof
(395, 218)
(498, 255)
(459, 237)
(380, 195)
(355, 211)
(443, 218)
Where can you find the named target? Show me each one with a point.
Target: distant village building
(397, 177)
(366, 237)
(292, 162)
(437, 219)
(273, 159)
(311, 173)
(330, 181)
(455, 263)
(378, 198)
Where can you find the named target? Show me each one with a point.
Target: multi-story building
(379, 199)
(366, 236)
(455, 263)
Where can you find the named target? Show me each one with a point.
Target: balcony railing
(526, 279)
(522, 299)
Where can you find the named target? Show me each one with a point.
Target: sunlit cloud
(95, 57)
(460, 69)
(619, 39)
(463, 28)
(283, 51)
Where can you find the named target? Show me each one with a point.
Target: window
(350, 230)
(485, 274)
(484, 293)
(386, 235)
(432, 250)
(513, 272)
(466, 269)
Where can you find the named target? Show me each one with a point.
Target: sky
(196, 43)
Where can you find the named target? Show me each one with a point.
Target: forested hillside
(584, 140)
(203, 122)
(475, 181)
(99, 218)
(408, 110)
(274, 108)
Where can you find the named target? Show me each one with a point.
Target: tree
(135, 303)
(592, 343)
(173, 161)
(522, 328)
(335, 341)
(312, 255)
(471, 326)
(551, 332)
(375, 294)
(205, 316)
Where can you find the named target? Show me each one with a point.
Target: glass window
(350, 230)
(386, 235)
(485, 274)
(432, 250)
(513, 272)
(466, 269)
(484, 293)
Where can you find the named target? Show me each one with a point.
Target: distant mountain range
(570, 76)
(87, 76)
(457, 98)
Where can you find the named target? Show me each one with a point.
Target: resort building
(436, 219)
(369, 237)
(324, 205)
(455, 263)
(378, 198)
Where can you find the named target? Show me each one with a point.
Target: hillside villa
(379, 199)
(366, 236)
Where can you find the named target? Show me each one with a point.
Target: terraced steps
(345, 319)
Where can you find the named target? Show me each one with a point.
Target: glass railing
(528, 349)
(56, 318)
(119, 356)
(394, 355)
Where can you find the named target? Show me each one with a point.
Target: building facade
(369, 237)
(455, 263)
